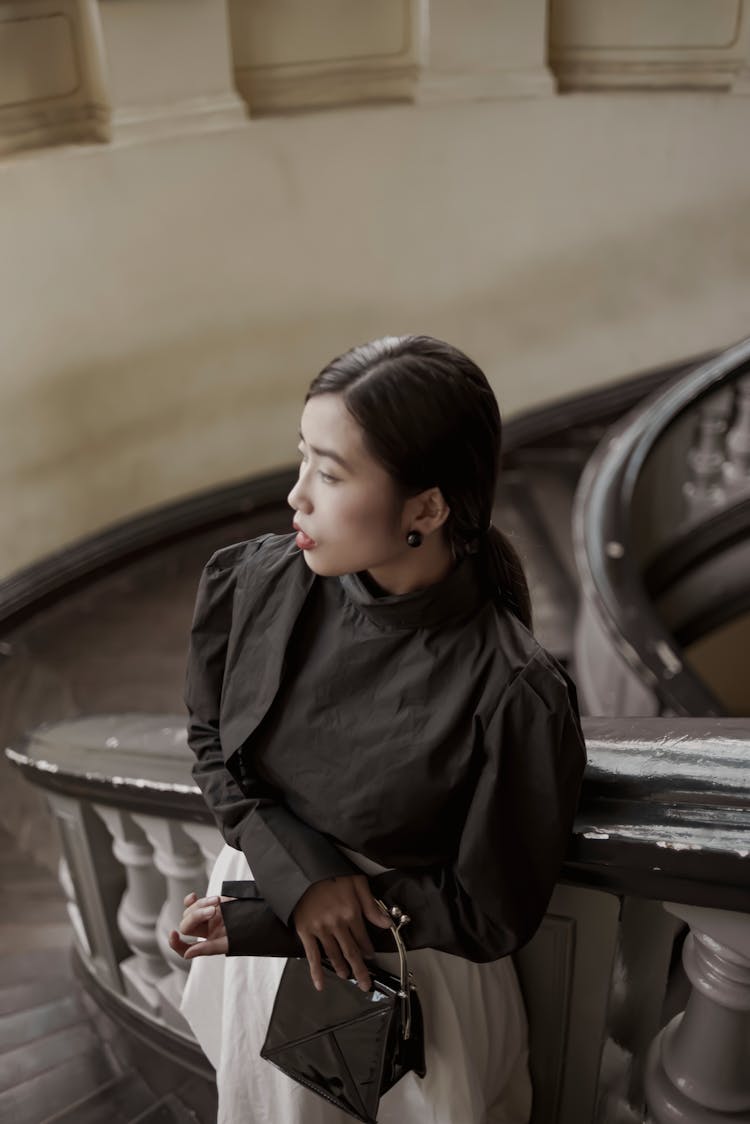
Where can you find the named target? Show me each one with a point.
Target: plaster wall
(166, 302)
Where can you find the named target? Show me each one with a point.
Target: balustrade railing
(719, 457)
(661, 529)
(663, 819)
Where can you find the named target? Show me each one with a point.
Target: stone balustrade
(718, 460)
(661, 530)
(699, 1064)
(663, 819)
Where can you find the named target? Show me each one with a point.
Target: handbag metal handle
(397, 919)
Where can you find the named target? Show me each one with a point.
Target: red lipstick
(304, 542)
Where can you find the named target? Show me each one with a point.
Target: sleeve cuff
(287, 857)
(254, 930)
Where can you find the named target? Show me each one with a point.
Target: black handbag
(348, 1045)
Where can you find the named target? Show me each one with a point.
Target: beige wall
(720, 660)
(164, 304)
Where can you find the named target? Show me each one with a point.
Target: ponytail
(504, 574)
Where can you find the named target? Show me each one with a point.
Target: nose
(297, 499)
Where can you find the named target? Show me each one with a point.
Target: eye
(328, 479)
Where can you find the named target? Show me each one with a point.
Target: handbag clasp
(397, 920)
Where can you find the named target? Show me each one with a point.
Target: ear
(427, 511)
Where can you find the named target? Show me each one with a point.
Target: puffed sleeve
(491, 900)
(285, 854)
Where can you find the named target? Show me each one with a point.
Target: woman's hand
(333, 912)
(202, 918)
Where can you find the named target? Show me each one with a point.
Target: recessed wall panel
(37, 59)
(668, 44)
(293, 54)
(644, 24)
(270, 33)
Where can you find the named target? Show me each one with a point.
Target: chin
(327, 567)
(319, 565)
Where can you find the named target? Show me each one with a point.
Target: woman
(372, 717)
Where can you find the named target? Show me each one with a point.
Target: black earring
(414, 538)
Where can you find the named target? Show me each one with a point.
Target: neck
(415, 569)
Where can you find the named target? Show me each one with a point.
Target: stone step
(15, 871)
(37, 903)
(168, 1110)
(44, 1093)
(49, 936)
(36, 966)
(22, 996)
(39, 1021)
(120, 1101)
(23, 1063)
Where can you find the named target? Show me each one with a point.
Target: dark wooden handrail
(664, 814)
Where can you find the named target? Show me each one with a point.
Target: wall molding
(669, 44)
(270, 90)
(438, 87)
(190, 115)
(50, 91)
(288, 55)
(599, 74)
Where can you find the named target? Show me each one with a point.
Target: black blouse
(428, 731)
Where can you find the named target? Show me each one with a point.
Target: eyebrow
(327, 453)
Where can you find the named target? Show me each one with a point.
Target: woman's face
(346, 506)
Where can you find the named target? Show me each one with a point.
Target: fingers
(361, 936)
(216, 947)
(330, 918)
(369, 907)
(177, 944)
(334, 945)
(344, 955)
(197, 916)
(332, 950)
(312, 952)
(353, 954)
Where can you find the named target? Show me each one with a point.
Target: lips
(304, 542)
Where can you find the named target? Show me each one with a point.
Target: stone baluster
(180, 861)
(704, 490)
(139, 909)
(698, 1069)
(210, 842)
(737, 464)
(65, 878)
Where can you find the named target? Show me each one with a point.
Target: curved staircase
(102, 629)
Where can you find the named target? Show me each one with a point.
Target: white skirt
(475, 1036)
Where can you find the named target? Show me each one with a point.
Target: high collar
(457, 596)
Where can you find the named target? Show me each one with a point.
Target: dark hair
(429, 416)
